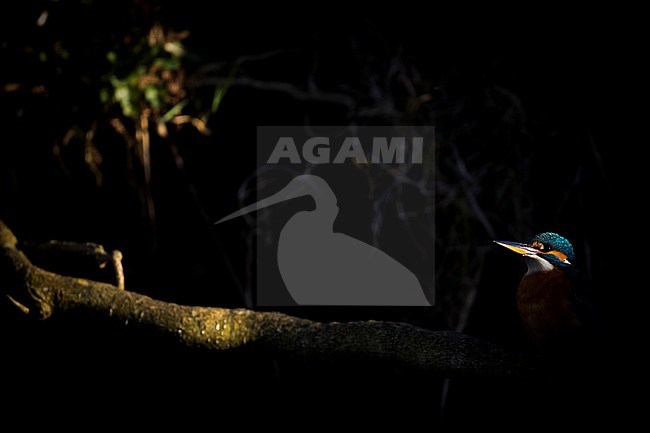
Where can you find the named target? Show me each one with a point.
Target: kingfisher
(552, 297)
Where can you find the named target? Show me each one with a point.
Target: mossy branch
(40, 293)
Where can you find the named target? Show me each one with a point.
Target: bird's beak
(297, 187)
(519, 248)
(283, 195)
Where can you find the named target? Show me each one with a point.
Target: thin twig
(286, 88)
(467, 181)
(119, 270)
(87, 249)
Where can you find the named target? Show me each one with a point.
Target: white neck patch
(537, 264)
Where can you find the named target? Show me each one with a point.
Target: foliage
(122, 77)
(148, 76)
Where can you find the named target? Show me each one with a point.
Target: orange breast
(544, 307)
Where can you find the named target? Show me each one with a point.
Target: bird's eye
(540, 246)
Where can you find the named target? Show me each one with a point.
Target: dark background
(533, 121)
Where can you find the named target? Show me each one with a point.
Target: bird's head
(544, 252)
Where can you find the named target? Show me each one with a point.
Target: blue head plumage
(556, 249)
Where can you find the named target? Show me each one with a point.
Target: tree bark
(40, 294)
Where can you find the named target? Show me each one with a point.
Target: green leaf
(104, 96)
(127, 99)
(135, 75)
(171, 64)
(176, 109)
(115, 82)
(122, 92)
(154, 95)
(128, 109)
(219, 93)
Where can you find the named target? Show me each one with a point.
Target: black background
(574, 77)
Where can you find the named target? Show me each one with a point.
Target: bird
(553, 297)
(322, 267)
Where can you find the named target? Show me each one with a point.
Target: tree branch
(287, 88)
(41, 293)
